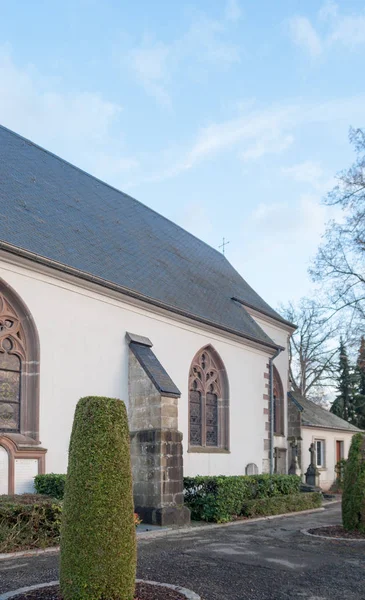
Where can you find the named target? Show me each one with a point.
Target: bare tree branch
(313, 349)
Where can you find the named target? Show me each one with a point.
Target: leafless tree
(340, 262)
(313, 348)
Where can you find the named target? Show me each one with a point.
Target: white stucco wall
(311, 434)
(84, 352)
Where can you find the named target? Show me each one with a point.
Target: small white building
(331, 436)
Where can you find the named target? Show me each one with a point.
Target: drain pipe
(271, 388)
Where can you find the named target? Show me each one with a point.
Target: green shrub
(29, 521)
(353, 498)
(221, 498)
(277, 505)
(98, 540)
(50, 484)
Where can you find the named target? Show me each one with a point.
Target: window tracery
(208, 401)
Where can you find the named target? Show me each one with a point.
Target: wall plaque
(25, 471)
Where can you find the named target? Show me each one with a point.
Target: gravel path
(268, 560)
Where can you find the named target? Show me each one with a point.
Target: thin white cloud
(286, 222)
(312, 174)
(233, 10)
(76, 125)
(349, 31)
(150, 65)
(328, 11)
(268, 145)
(308, 170)
(304, 35)
(206, 42)
(305, 172)
(256, 133)
(345, 29)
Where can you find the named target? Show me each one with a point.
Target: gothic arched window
(19, 367)
(278, 393)
(208, 402)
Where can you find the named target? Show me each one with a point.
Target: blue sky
(229, 117)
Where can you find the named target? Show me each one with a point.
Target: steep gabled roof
(314, 415)
(55, 211)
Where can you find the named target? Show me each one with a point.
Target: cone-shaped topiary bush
(353, 498)
(98, 543)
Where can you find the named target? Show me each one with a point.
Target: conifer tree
(344, 404)
(360, 386)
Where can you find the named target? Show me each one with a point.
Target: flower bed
(337, 532)
(144, 591)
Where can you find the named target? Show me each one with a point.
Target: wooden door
(339, 450)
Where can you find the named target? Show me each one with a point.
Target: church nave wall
(84, 351)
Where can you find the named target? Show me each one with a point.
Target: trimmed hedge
(353, 497)
(29, 521)
(50, 484)
(98, 539)
(278, 505)
(221, 498)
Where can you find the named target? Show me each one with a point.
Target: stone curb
(24, 590)
(154, 534)
(325, 537)
(189, 595)
(23, 553)
(183, 530)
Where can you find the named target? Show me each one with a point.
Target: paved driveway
(270, 560)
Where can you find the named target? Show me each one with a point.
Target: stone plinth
(158, 476)
(156, 443)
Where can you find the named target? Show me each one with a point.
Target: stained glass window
(208, 426)
(195, 418)
(278, 393)
(10, 370)
(211, 419)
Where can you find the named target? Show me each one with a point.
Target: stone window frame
(222, 391)
(279, 406)
(25, 340)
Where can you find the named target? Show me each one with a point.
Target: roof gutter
(53, 264)
(271, 410)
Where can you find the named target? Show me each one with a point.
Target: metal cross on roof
(223, 245)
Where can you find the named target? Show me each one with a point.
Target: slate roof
(56, 211)
(314, 415)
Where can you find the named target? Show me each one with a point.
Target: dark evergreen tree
(360, 386)
(344, 404)
(353, 498)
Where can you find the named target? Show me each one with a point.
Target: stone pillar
(294, 468)
(280, 461)
(295, 426)
(156, 443)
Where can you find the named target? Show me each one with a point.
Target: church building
(102, 296)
